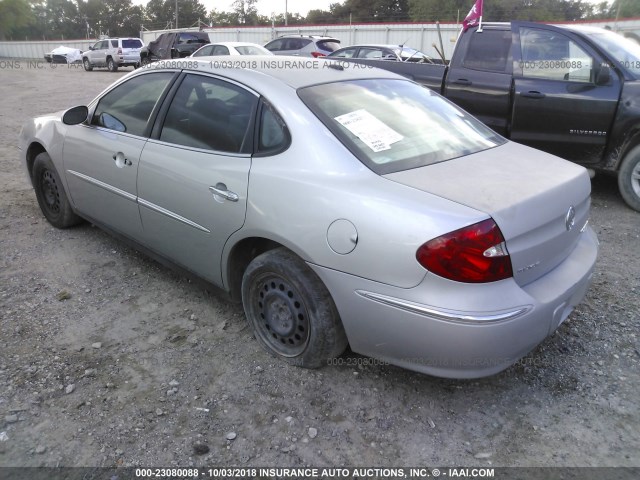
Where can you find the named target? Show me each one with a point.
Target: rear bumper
(455, 330)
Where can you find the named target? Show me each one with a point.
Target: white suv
(113, 53)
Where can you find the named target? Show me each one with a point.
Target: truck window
(489, 50)
(553, 56)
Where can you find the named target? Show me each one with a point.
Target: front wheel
(290, 310)
(629, 178)
(111, 65)
(51, 196)
(87, 65)
(144, 61)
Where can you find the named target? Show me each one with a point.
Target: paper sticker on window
(374, 133)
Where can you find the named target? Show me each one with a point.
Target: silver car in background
(340, 205)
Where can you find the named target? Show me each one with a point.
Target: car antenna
(335, 66)
(402, 44)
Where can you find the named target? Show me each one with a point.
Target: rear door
(480, 76)
(194, 173)
(558, 106)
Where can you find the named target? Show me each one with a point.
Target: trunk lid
(540, 202)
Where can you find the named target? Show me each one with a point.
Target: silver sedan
(340, 204)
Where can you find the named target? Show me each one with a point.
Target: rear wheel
(111, 65)
(87, 64)
(629, 178)
(290, 310)
(51, 196)
(144, 61)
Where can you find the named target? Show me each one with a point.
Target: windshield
(625, 51)
(394, 125)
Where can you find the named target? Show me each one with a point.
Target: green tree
(14, 14)
(246, 11)
(162, 13)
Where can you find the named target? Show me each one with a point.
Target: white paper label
(374, 133)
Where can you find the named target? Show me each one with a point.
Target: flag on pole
(474, 17)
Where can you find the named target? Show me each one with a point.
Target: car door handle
(221, 190)
(121, 160)
(462, 81)
(532, 94)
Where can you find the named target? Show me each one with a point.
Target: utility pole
(286, 12)
(176, 14)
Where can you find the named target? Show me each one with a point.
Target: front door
(558, 106)
(193, 178)
(101, 157)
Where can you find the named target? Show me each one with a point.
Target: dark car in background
(173, 45)
(303, 45)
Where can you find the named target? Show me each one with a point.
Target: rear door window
(131, 43)
(210, 114)
(489, 51)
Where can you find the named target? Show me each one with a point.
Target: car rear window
(328, 45)
(394, 125)
(131, 43)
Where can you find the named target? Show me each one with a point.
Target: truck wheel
(87, 64)
(144, 61)
(111, 65)
(629, 178)
(290, 310)
(51, 195)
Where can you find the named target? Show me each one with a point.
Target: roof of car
(296, 72)
(236, 44)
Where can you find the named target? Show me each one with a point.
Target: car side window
(114, 43)
(220, 50)
(128, 106)
(489, 50)
(370, 53)
(210, 114)
(273, 135)
(346, 53)
(553, 56)
(204, 51)
(275, 45)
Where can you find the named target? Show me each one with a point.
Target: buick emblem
(570, 219)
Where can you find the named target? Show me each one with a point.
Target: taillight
(473, 254)
(318, 54)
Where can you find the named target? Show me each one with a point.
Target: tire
(111, 65)
(87, 64)
(144, 61)
(290, 310)
(50, 193)
(629, 178)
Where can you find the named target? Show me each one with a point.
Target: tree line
(69, 19)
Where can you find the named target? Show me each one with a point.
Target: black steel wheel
(50, 193)
(290, 310)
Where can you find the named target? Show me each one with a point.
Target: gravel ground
(108, 358)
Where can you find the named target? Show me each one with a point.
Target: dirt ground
(141, 367)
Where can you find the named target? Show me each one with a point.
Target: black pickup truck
(570, 91)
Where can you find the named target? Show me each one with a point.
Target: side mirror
(75, 115)
(603, 75)
(91, 47)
